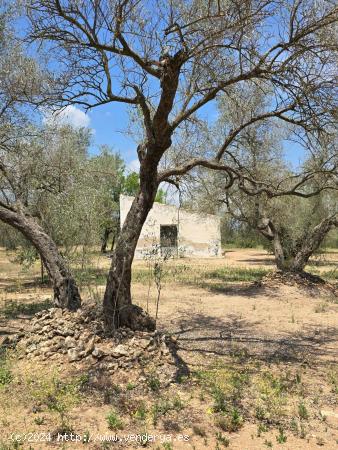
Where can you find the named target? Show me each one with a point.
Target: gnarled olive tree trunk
(118, 308)
(66, 293)
(312, 242)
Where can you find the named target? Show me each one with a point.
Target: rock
(164, 349)
(97, 353)
(31, 348)
(74, 354)
(64, 331)
(58, 313)
(90, 345)
(112, 366)
(137, 353)
(120, 350)
(328, 413)
(45, 349)
(70, 342)
(144, 343)
(4, 340)
(36, 327)
(56, 343)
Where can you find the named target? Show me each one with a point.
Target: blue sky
(109, 123)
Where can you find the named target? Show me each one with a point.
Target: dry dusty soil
(256, 363)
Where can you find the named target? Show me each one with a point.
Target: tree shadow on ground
(259, 261)
(14, 284)
(234, 336)
(12, 309)
(242, 289)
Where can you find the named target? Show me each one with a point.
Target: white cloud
(134, 165)
(70, 115)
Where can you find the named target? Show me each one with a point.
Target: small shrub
(5, 375)
(39, 420)
(272, 397)
(162, 406)
(222, 439)
(220, 400)
(230, 422)
(144, 439)
(302, 411)
(114, 422)
(177, 403)
(86, 437)
(199, 431)
(294, 425)
(333, 380)
(281, 437)
(154, 383)
(261, 429)
(141, 412)
(167, 446)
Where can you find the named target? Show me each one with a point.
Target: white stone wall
(199, 235)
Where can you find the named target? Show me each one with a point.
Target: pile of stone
(314, 284)
(79, 338)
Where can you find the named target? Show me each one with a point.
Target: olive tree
(295, 220)
(169, 60)
(21, 147)
(28, 176)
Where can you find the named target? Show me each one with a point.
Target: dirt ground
(269, 352)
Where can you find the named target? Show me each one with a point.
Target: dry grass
(259, 366)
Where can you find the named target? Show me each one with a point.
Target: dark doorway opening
(168, 239)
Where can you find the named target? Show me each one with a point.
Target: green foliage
(281, 437)
(153, 383)
(201, 276)
(223, 440)
(26, 255)
(302, 411)
(59, 396)
(161, 196)
(271, 397)
(5, 374)
(230, 420)
(114, 422)
(141, 412)
(39, 420)
(131, 184)
(164, 405)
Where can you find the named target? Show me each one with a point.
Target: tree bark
(66, 293)
(268, 230)
(104, 239)
(312, 242)
(113, 241)
(118, 308)
(278, 252)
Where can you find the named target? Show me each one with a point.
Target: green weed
(114, 422)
